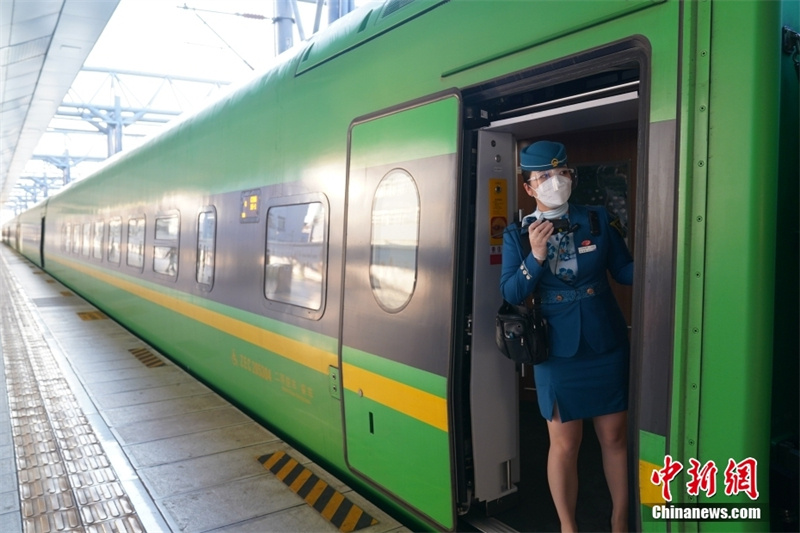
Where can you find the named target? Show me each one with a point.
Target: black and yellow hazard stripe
(92, 315)
(330, 503)
(146, 357)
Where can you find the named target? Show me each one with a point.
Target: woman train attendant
(586, 375)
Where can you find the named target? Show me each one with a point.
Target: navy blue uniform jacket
(585, 309)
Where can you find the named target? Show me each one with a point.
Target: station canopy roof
(43, 45)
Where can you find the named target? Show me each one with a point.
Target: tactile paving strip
(66, 482)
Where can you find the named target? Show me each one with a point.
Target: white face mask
(555, 191)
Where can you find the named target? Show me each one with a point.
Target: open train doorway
(599, 117)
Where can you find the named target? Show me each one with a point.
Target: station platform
(100, 432)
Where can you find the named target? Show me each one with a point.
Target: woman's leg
(562, 467)
(612, 432)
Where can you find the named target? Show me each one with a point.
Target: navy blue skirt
(586, 385)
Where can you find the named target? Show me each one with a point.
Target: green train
(322, 247)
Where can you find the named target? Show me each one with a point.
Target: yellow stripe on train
(418, 404)
(649, 494)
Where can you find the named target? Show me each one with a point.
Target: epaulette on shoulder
(616, 223)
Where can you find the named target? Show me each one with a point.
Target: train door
(41, 244)
(397, 311)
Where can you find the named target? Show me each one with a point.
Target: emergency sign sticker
(498, 208)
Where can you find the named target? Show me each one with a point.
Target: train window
(167, 227)
(114, 239)
(206, 246)
(66, 236)
(165, 249)
(296, 254)
(97, 240)
(135, 256)
(76, 239)
(394, 241)
(87, 239)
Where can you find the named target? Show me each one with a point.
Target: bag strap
(526, 245)
(526, 249)
(594, 223)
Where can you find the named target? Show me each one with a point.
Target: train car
(26, 231)
(323, 247)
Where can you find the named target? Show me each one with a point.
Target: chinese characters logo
(738, 477)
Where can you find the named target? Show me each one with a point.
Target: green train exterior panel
(400, 453)
(729, 266)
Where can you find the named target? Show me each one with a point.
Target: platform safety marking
(147, 357)
(330, 503)
(92, 315)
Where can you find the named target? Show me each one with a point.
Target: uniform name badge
(586, 246)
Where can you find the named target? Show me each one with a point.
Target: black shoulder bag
(521, 332)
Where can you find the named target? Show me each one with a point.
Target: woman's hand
(538, 233)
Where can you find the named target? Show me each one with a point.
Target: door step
(487, 524)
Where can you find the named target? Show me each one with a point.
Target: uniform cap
(543, 155)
